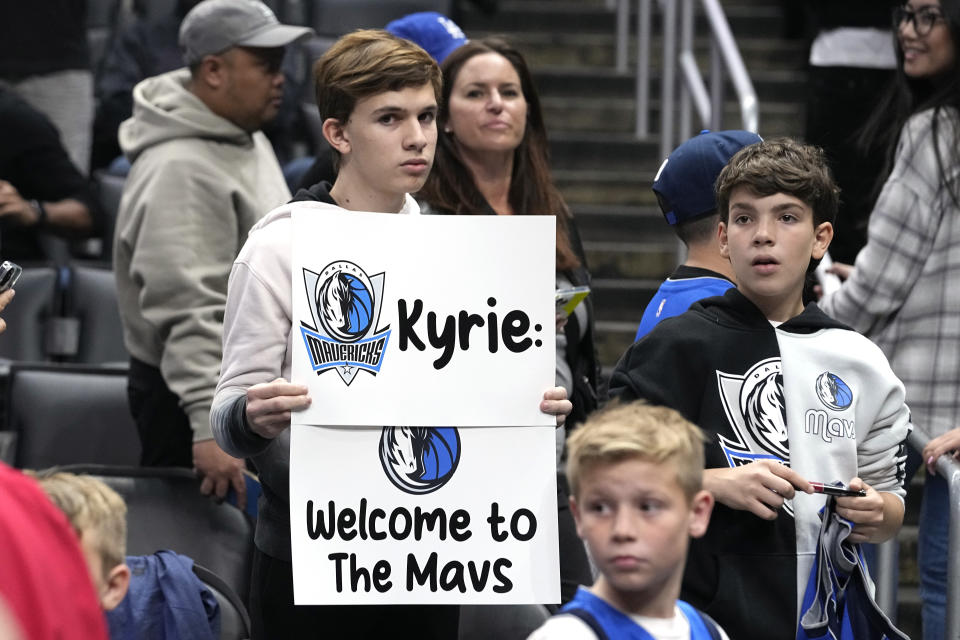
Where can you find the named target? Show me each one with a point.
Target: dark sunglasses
(923, 20)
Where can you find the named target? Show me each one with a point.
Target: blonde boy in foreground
(635, 475)
(99, 516)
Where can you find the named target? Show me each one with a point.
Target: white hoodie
(256, 340)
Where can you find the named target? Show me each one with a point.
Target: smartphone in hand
(568, 299)
(9, 272)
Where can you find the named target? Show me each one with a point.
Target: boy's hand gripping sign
(440, 331)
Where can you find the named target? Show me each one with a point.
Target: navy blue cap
(436, 34)
(685, 180)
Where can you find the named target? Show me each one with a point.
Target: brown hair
(637, 430)
(781, 165)
(450, 186)
(365, 63)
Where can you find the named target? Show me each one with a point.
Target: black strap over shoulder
(591, 622)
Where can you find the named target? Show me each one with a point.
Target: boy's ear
(701, 506)
(575, 510)
(822, 236)
(335, 133)
(115, 587)
(722, 233)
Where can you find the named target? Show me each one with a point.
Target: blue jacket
(837, 604)
(166, 601)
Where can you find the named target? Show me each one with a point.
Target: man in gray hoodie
(202, 175)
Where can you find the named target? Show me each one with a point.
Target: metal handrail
(725, 60)
(887, 568)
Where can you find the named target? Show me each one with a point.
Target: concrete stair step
(597, 150)
(542, 48)
(613, 223)
(606, 187)
(619, 304)
(586, 114)
(771, 85)
(635, 260)
(575, 16)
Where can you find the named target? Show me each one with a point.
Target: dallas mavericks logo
(419, 460)
(833, 392)
(756, 410)
(345, 305)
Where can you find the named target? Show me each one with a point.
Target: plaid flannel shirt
(904, 293)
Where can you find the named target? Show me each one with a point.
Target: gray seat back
(29, 315)
(91, 298)
(64, 414)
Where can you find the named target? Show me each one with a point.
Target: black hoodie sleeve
(665, 367)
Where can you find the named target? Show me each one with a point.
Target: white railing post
(687, 11)
(669, 9)
(642, 128)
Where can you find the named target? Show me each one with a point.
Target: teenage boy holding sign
(377, 96)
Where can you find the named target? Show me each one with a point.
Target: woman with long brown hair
(492, 159)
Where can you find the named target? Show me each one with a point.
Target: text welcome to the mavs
(423, 571)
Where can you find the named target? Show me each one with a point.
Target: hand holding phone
(837, 490)
(9, 272)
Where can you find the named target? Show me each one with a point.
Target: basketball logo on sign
(419, 460)
(345, 305)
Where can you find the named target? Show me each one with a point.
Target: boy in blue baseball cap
(684, 189)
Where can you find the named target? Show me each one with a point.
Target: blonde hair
(637, 430)
(93, 509)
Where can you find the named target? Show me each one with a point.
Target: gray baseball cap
(213, 26)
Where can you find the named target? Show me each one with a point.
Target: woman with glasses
(901, 290)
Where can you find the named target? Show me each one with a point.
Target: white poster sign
(423, 320)
(476, 524)
(446, 323)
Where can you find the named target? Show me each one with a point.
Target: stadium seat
(336, 17)
(101, 20)
(91, 298)
(154, 9)
(165, 510)
(234, 619)
(481, 622)
(28, 318)
(110, 190)
(65, 414)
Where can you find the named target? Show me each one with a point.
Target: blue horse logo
(419, 460)
(833, 392)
